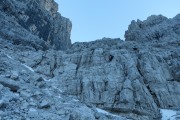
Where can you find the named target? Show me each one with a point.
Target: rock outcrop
(107, 79)
(154, 28)
(34, 23)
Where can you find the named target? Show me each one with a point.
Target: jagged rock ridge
(130, 79)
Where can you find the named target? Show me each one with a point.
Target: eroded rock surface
(107, 79)
(34, 23)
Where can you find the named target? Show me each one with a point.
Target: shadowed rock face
(130, 79)
(35, 23)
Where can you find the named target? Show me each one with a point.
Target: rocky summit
(45, 77)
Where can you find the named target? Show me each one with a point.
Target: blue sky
(95, 19)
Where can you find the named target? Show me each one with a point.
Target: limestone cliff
(34, 23)
(107, 79)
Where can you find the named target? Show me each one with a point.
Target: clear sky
(95, 19)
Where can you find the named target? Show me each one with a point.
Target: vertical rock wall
(38, 18)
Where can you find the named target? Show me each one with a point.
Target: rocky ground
(106, 79)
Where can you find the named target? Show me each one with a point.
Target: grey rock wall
(156, 27)
(106, 79)
(34, 23)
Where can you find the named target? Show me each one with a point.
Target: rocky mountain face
(107, 79)
(34, 23)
